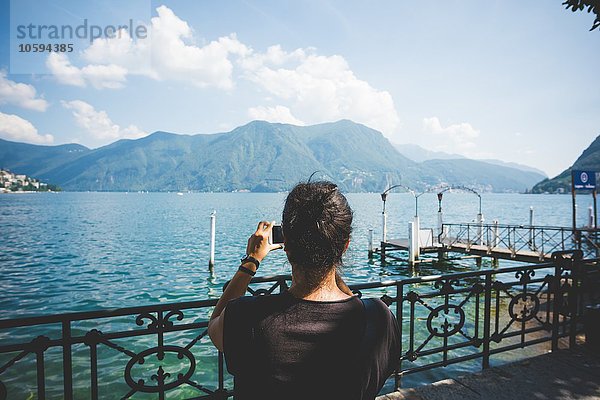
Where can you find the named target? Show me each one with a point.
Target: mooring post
(370, 240)
(383, 227)
(595, 210)
(531, 213)
(416, 233)
(480, 228)
(496, 239)
(591, 217)
(411, 243)
(440, 216)
(440, 225)
(531, 229)
(213, 223)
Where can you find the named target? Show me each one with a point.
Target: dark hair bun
(317, 223)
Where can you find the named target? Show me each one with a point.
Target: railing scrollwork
(444, 320)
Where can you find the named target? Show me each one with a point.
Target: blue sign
(583, 180)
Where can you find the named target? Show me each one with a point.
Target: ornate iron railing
(539, 240)
(164, 349)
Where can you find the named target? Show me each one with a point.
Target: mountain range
(419, 154)
(259, 156)
(588, 160)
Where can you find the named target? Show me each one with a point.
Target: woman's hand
(258, 244)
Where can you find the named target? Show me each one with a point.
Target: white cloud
(20, 94)
(274, 114)
(455, 138)
(174, 57)
(169, 53)
(99, 76)
(304, 86)
(13, 127)
(99, 125)
(274, 56)
(321, 88)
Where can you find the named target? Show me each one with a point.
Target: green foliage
(580, 5)
(588, 160)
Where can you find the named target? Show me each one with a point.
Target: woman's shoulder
(378, 310)
(256, 301)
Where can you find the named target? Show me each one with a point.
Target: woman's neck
(325, 290)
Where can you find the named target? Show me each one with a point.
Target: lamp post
(413, 226)
(383, 214)
(479, 214)
(440, 216)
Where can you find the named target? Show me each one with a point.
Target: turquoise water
(82, 251)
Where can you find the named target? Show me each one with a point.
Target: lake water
(80, 251)
(62, 252)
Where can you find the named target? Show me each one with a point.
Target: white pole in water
(480, 228)
(417, 243)
(384, 227)
(531, 234)
(411, 243)
(496, 238)
(591, 217)
(213, 223)
(531, 214)
(370, 239)
(440, 224)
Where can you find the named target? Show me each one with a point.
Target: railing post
(41, 375)
(557, 300)
(399, 302)
(468, 237)
(487, 320)
(94, 371)
(544, 242)
(67, 360)
(574, 297)
(221, 373)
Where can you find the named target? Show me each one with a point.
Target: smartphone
(276, 235)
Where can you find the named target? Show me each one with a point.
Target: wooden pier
(530, 244)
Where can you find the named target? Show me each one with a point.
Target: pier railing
(164, 350)
(541, 241)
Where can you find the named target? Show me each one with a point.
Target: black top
(281, 347)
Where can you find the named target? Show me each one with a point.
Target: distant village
(15, 183)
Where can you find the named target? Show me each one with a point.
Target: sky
(511, 80)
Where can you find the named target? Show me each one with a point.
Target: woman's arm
(258, 247)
